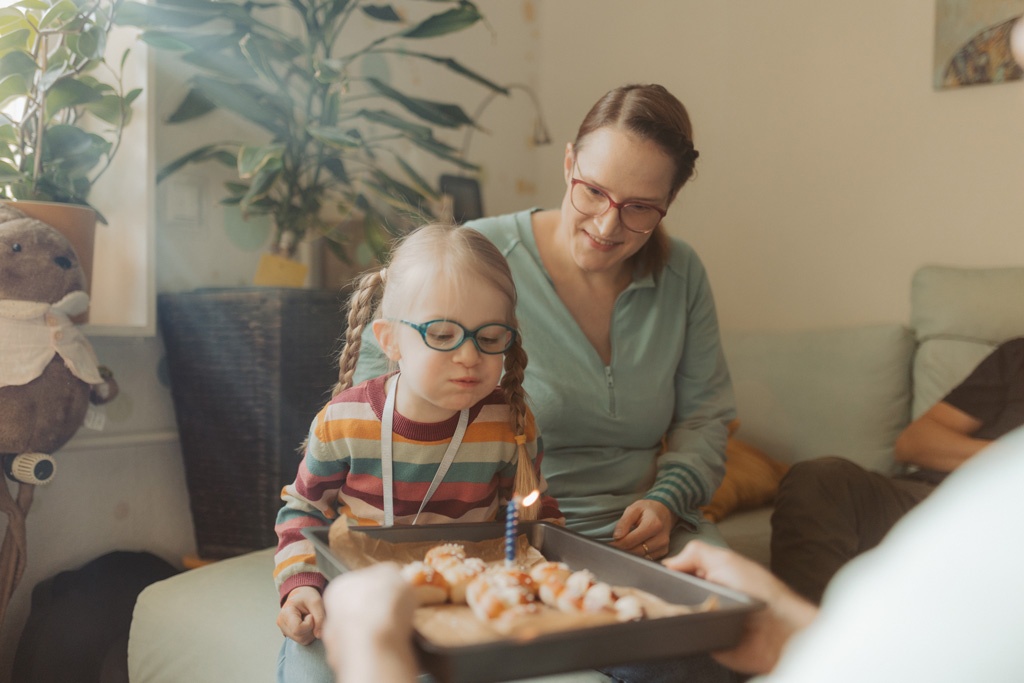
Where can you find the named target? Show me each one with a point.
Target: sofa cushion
(805, 394)
(215, 623)
(748, 532)
(751, 480)
(959, 316)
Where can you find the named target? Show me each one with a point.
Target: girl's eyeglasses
(448, 335)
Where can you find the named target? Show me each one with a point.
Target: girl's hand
(644, 529)
(302, 615)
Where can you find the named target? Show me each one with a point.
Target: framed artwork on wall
(972, 42)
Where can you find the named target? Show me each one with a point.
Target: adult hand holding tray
(565, 650)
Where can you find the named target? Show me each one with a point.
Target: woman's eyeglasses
(593, 201)
(448, 335)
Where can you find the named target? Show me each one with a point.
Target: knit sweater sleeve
(692, 465)
(309, 501)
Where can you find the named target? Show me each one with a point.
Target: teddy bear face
(37, 263)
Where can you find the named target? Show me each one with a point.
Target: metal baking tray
(598, 646)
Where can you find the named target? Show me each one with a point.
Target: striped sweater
(340, 474)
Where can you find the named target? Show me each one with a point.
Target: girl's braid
(512, 385)
(360, 311)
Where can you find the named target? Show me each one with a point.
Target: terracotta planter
(77, 223)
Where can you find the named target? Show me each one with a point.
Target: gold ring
(647, 551)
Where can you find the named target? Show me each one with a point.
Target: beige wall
(830, 169)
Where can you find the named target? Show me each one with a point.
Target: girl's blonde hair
(456, 253)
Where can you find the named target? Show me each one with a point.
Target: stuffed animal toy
(48, 370)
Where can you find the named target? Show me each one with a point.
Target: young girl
(454, 445)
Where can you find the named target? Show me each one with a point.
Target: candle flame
(531, 498)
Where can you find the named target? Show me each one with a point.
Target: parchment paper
(455, 625)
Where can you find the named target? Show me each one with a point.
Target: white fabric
(31, 332)
(940, 599)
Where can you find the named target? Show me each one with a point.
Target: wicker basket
(249, 370)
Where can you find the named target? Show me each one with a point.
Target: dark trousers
(827, 512)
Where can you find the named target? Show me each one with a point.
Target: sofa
(803, 394)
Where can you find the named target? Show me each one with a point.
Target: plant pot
(249, 370)
(77, 223)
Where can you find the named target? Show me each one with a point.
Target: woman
(626, 373)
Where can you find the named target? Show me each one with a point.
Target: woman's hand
(302, 615)
(767, 631)
(644, 529)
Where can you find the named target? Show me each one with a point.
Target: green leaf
(224, 153)
(453, 20)
(242, 100)
(381, 12)
(388, 119)
(446, 115)
(254, 159)
(164, 41)
(190, 15)
(89, 44)
(334, 137)
(443, 151)
(336, 167)
(458, 68)
(12, 87)
(69, 92)
(260, 185)
(57, 15)
(110, 108)
(193, 106)
(9, 172)
(11, 20)
(18, 63)
(64, 141)
(16, 40)
(421, 184)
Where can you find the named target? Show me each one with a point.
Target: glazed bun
(459, 575)
(429, 584)
(498, 591)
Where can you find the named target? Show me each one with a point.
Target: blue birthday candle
(511, 522)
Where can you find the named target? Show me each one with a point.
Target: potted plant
(250, 367)
(335, 141)
(63, 109)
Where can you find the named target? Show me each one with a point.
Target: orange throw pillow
(751, 480)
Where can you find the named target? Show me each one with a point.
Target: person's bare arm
(767, 631)
(939, 440)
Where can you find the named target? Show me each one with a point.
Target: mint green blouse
(603, 425)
